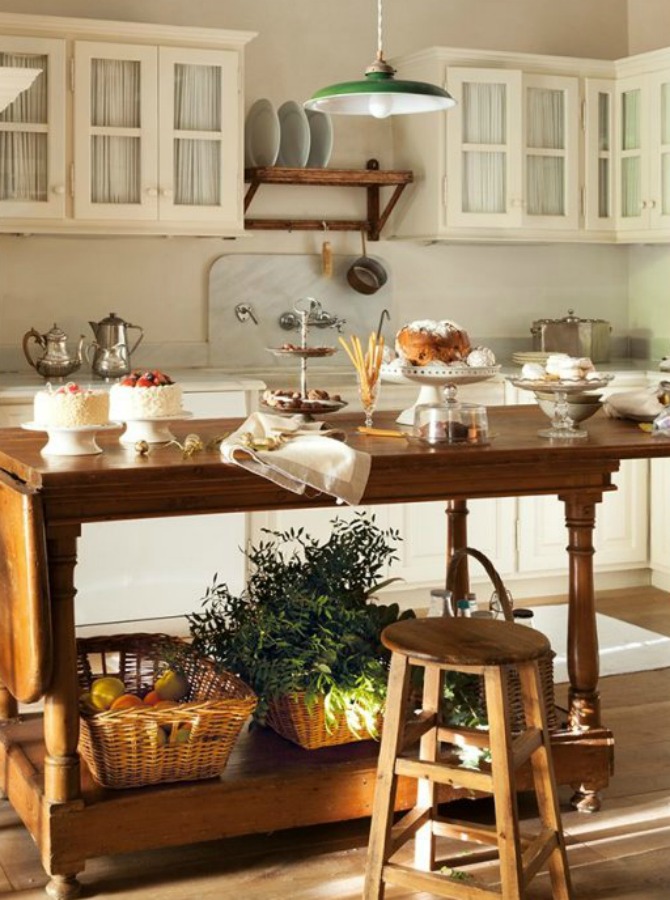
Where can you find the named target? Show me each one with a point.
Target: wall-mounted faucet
(317, 317)
(244, 312)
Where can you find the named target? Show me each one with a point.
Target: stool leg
(426, 792)
(544, 779)
(504, 792)
(387, 780)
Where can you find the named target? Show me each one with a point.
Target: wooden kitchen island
(268, 784)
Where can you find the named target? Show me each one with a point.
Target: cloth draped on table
(309, 455)
(641, 405)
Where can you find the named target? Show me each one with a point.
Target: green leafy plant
(306, 623)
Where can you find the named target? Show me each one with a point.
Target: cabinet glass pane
(631, 193)
(545, 186)
(115, 169)
(665, 113)
(603, 188)
(115, 93)
(484, 182)
(484, 113)
(545, 117)
(197, 98)
(665, 183)
(197, 172)
(603, 122)
(24, 154)
(630, 119)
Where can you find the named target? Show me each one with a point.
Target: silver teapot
(55, 362)
(111, 356)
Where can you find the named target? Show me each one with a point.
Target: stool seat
(465, 642)
(494, 652)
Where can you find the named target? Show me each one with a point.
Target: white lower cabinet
(659, 520)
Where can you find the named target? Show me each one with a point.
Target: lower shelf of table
(268, 785)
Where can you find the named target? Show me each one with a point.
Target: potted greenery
(305, 632)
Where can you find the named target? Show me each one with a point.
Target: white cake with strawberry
(70, 406)
(146, 394)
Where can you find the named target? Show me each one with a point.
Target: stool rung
(525, 744)
(538, 851)
(406, 828)
(460, 829)
(416, 727)
(434, 883)
(467, 737)
(443, 774)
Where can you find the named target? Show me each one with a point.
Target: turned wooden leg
(457, 538)
(61, 713)
(9, 708)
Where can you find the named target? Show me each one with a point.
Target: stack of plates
(521, 357)
(287, 137)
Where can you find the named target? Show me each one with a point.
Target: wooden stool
(487, 648)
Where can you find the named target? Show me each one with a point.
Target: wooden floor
(621, 852)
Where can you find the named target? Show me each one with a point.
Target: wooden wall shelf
(372, 178)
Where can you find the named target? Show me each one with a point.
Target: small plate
(261, 135)
(71, 441)
(294, 136)
(321, 139)
(307, 352)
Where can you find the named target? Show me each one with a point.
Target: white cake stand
(71, 441)
(433, 381)
(155, 430)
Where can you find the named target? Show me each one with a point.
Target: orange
(105, 690)
(126, 701)
(165, 704)
(151, 698)
(171, 685)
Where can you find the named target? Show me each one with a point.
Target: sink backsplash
(269, 286)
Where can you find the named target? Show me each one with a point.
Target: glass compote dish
(563, 425)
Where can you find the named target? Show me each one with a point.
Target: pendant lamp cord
(380, 54)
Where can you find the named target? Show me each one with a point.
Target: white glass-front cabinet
(512, 150)
(643, 143)
(32, 132)
(153, 135)
(600, 144)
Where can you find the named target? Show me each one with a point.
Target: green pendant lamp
(380, 94)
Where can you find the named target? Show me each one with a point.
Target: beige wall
(648, 25)
(302, 45)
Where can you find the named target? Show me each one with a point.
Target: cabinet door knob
(58, 189)
(152, 192)
(166, 192)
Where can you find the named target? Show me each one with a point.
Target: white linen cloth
(640, 404)
(312, 456)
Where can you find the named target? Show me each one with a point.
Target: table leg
(61, 713)
(582, 652)
(457, 538)
(9, 708)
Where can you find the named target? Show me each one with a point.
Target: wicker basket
(305, 725)
(140, 746)
(545, 663)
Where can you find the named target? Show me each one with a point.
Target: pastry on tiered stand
(71, 415)
(436, 355)
(147, 401)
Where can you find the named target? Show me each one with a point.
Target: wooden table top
(120, 484)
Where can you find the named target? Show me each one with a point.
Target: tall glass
(368, 392)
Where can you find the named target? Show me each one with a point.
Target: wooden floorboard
(621, 853)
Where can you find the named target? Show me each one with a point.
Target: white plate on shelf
(71, 441)
(261, 135)
(294, 136)
(320, 139)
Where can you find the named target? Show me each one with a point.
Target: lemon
(171, 685)
(105, 690)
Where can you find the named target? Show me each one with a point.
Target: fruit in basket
(126, 701)
(86, 704)
(165, 704)
(182, 734)
(171, 685)
(105, 690)
(151, 698)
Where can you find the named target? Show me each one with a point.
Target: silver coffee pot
(111, 356)
(55, 361)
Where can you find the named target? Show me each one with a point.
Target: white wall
(302, 45)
